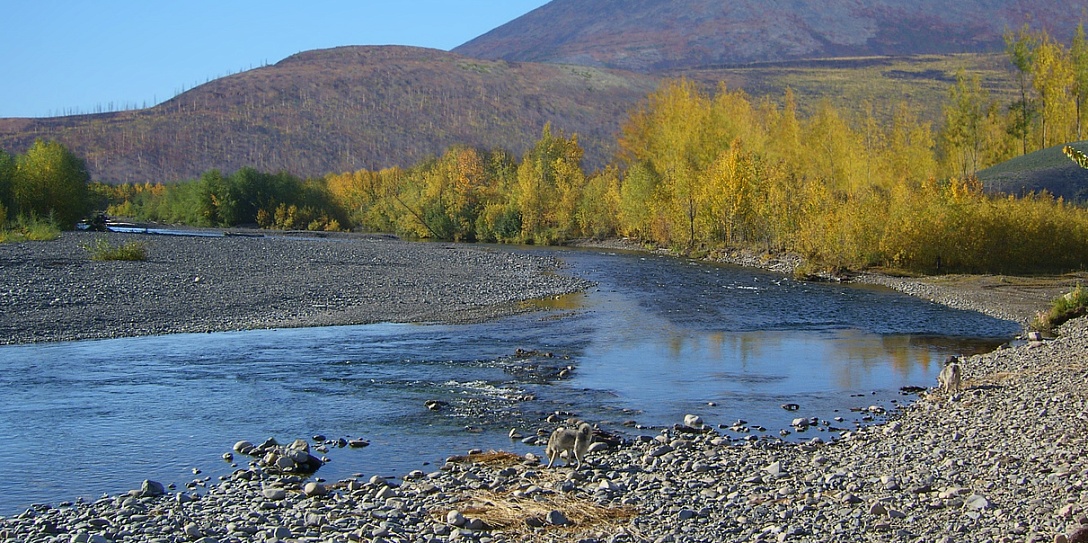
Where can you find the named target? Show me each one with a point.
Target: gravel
(1001, 461)
(53, 291)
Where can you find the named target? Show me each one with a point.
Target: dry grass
(493, 459)
(511, 511)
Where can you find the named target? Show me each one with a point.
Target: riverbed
(653, 339)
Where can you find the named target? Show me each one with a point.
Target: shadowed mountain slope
(345, 109)
(654, 36)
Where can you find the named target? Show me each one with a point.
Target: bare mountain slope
(655, 35)
(344, 109)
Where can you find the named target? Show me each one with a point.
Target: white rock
(455, 518)
(314, 489)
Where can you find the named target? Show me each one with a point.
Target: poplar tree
(1020, 47)
(1078, 54)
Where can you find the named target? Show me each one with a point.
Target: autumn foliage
(700, 171)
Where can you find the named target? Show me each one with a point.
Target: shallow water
(658, 338)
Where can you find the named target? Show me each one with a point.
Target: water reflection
(657, 338)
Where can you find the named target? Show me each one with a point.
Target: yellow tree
(548, 181)
(1078, 56)
(1052, 78)
(964, 124)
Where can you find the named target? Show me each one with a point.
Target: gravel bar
(1001, 461)
(53, 291)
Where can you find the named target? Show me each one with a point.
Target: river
(657, 338)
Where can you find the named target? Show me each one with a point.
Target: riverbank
(1011, 298)
(1001, 461)
(53, 291)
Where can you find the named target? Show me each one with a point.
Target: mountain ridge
(649, 36)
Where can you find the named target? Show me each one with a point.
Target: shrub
(1064, 308)
(102, 249)
(29, 229)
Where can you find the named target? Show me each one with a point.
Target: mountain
(344, 109)
(350, 108)
(654, 36)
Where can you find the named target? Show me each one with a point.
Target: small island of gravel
(53, 291)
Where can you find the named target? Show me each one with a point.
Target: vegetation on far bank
(1062, 309)
(699, 171)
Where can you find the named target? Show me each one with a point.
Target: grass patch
(102, 249)
(29, 229)
(1064, 308)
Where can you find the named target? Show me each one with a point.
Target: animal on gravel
(575, 442)
(951, 376)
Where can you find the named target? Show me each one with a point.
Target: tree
(964, 115)
(50, 181)
(1052, 78)
(1078, 54)
(549, 181)
(7, 179)
(1020, 47)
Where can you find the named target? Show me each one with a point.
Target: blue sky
(59, 56)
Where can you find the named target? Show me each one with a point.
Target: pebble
(1004, 461)
(454, 282)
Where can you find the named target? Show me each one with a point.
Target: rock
(976, 502)
(660, 451)
(1078, 535)
(455, 518)
(282, 532)
(151, 489)
(274, 493)
(800, 422)
(476, 525)
(889, 482)
(243, 447)
(693, 421)
(313, 489)
(774, 469)
(556, 518)
(878, 509)
(193, 530)
(299, 445)
(358, 443)
(686, 514)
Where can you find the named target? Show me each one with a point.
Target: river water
(657, 338)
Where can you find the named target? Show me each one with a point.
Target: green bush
(1064, 308)
(102, 249)
(32, 228)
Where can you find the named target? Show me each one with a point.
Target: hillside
(344, 109)
(1047, 169)
(653, 36)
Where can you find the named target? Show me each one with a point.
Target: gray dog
(950, 377)
(574, 442)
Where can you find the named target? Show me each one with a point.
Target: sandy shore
(53, 291)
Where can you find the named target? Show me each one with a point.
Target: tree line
(703, 171)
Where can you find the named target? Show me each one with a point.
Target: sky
(82, 56)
